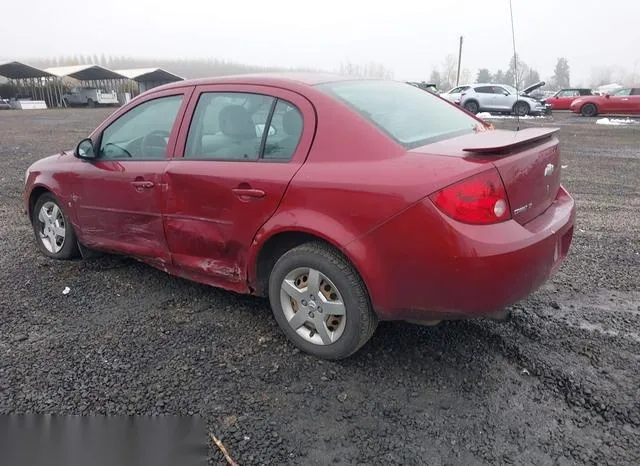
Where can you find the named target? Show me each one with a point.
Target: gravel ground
(557, 384)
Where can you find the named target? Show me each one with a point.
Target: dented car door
(229, 174)
(118, 194)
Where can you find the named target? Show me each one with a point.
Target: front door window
(142, 133)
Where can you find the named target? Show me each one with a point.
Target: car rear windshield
(409, 115)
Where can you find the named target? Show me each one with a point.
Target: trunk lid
(528, 162)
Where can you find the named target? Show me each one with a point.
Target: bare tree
(449, 71)
(367, 70)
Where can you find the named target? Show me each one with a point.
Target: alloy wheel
(51, 227)
(313, 306)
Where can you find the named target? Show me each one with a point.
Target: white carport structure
(148, 78)
(89, 76)
(40, 85)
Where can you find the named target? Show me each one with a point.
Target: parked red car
(623, 101)
(562, 99)
(344, 201)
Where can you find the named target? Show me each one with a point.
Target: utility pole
(459, 63)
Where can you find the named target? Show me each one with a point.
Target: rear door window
(228, 126)
(285, 131)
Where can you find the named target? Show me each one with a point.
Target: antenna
(515, 63)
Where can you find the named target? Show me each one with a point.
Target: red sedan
(623, 101)
(344, 201)
(562, 99)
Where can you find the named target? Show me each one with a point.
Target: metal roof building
(148, 78)
(32, 82)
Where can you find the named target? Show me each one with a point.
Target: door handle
(141, 184)
(244, 193)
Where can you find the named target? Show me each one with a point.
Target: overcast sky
(408, 37)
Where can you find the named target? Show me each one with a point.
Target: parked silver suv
(502, 98)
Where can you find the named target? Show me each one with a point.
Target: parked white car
(90, 96)
(503, 98)
(453, 95)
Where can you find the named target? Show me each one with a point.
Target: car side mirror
(84, 149)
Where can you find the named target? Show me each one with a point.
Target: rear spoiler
(503, 141)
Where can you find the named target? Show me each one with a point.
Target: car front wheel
(472, 107)
(52, 228)
(589, 110)
(320, 302)
(521, 109)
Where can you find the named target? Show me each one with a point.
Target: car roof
(285, 79)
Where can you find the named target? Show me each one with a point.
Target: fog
(409, 38)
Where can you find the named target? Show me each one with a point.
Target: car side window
(635, 91)
(143, 132)
(228, 126)
(623, 92)
(286, 129)
(484, 90)
(498, 90)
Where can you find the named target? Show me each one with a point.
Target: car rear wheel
(472, 106)
(52, 228)
(589, 110)
(320, 302)
(521, 108)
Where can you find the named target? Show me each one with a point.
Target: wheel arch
(472, 100)
(520, 102)
(34, 195)
(270, 248)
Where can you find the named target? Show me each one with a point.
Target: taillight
(480, 199)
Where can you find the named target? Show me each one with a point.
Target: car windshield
(511, 89)
(407, 114)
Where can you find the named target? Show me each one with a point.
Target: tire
(66, 247)
(589, 110)
(521, 108)
(358, 321)
(472, 106)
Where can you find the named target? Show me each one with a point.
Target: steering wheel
(154, 139)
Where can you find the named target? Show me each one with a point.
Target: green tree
(561, 74)
(435, 78)
(516, 73)
(484, 76)
(498, 77)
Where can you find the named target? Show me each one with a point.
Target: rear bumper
(437, 268)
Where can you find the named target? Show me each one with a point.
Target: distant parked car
(503, 98)
(562, 99)
(453, 95)
(623, 101)
(431, 87)
(5, 104)
(369, 200)
(89, 96)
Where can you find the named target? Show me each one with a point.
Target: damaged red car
(344, 201)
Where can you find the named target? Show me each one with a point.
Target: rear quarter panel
(354, 179)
